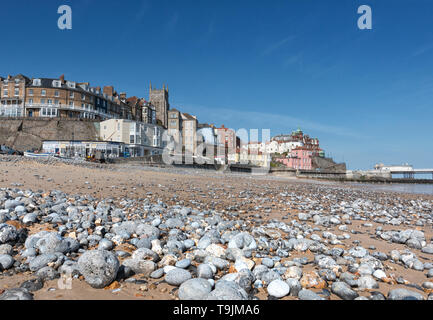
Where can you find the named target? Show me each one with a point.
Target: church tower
(159, 99)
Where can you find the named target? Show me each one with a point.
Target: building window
(30, 101)
(43, 93)
(50, 102)
(5, 92)
(37, 82)
(83, 97)
(56, 102)
(56, 93)
(131, 139)
(42, 101)
(71, 94)
(17, 92)
(30, 92)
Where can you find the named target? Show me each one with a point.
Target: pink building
(300, 158)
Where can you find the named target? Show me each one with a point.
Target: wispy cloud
(275, 46)
(254, 119)
(422, 50)
(296, 59)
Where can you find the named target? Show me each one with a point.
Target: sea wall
(24, 134)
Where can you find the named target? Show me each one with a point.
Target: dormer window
(57, 83)
(70, 84)
(37, 82)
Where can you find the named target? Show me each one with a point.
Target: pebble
(177, 276)
(278, 289)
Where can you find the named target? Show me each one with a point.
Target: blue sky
(366, 94)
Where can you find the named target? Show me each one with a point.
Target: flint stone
(139, 266)
(194, 289)
(16, 294)
(47, 273)
(227, 290)
(295, 286)
(204, 271)
(278, 289)
(99, 267)
(367, 282)
(404, 294)
(243, 241)
(33, 285)
(6, 262)
(43, 260)
(147, 231)
(177, 276)
(157, 274)
(306, 294)
(7, 233)
(343, 290)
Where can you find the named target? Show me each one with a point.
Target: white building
(142, 138)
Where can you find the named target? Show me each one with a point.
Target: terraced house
(21, 96)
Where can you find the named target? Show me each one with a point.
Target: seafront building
(141, 138)
(21, 96)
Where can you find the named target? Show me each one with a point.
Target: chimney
(62, 78)
(109, 90)
(122, 96)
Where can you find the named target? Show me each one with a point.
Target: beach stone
(16, 294)
(227, 290)
(243, 278)
(379, 274)
(8, 233)
(216, 250)
(278, 289)
(70, 268)
(6, 262)
(183, 264)
(147, 231)
(174, 223)
(312, 280)
(157, 274)
(358, 252)
(12, 204)
(145, 254)
(105, 244)
(33, 285)
(221, 264)
(140, 266)
(243, 241)
(428, 249)
(30, 218)
(99, 267)
(194, 289)
(42, 261)
(343, 290)
(6, 249)
(430, 273)
(144, 243)
(268, 262)
(404, 294)
(177, 276)
(306, 294)
(204, 271)
(293, 272)
(367, 282)
(47, 273)
(295, 286)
